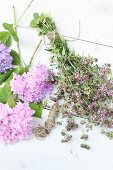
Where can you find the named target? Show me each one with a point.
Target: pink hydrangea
(15, 123)
(32, 86)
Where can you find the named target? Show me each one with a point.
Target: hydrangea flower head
(15, 123)
(5, 58)
(32, 86)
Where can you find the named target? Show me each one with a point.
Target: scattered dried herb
(84, 136)
(67, 138)
(85, 146)
(83, 122)
(71, 124)
(109, 134)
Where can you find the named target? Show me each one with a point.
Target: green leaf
(37, 108)
(5, 76)
(24, 70)
(36, 15)
(33, 23)
(11, 101)
(5, 93)
(8, 27)
(43, 23)
(63, 51)
(15, 70)
(5, 38)
(11, 30)
(16, 57)
(15, 37)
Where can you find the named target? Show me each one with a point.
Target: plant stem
(24, 11)
(16, 23)
(15, 27)
(35, 52)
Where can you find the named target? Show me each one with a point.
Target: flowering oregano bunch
(85, 87)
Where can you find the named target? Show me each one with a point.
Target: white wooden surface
(96, 22)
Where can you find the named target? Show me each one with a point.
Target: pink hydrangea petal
(32, 86)
(15, 123)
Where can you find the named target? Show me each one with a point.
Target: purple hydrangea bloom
(32, 86)
(5, 58)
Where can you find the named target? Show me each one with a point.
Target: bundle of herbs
(85, 87)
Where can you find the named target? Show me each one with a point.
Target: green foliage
(11, 102)
(15, 70)
(11, 30)
(9, 74)
(59, 46)
(36, 15)
(4, 76)
(23, 70)
(16, 57)
(5, 38)
(37, 108)
(5, 93)
(43, 23)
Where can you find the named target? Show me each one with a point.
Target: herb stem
(37, 47)
(15, 27)
(24, 11)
